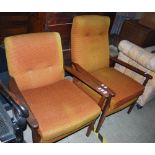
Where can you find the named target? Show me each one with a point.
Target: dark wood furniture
(141, 32)
(13, 23)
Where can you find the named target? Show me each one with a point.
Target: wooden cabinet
(137, 33)
(12, 24)
(140, 32)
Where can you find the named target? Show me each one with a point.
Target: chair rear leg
(131, 107)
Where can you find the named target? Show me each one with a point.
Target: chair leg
(35, 136)
(102, 118)
(131, 107)
(90, 128)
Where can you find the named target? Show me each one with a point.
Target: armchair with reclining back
(90, 56)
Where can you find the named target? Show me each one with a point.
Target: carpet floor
(136, 127)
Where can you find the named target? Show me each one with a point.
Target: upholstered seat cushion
(126, 88)
(143, 59)
(60, 108)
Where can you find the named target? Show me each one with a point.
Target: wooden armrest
(88, 81)
(15, 93)
(148, 76)
(83, 71)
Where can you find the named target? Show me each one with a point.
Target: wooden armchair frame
(79, 73)
(105, 100)
(146, 75)
(15, 93)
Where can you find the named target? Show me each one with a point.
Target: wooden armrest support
(146, 75)
(88, 81)
(15, 93)
(83, 71)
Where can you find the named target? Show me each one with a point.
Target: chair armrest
(88, 80)
(83, 71)
(146, 75)
(15, 93)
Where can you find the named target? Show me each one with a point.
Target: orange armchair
(90, 56)
(57, 107)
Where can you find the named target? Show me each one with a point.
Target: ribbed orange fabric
(126, 88)
(35, 59)
(90, 49)
(60, 108)
(89, 41)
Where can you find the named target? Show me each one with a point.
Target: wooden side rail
(146, 75)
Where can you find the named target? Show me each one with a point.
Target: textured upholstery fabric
(60, 108)
(126, 88)
(138, 54)
(90, 49)
(141, 59)
(89, 41)
(26, 55)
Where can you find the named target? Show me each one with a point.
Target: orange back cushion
(35, 59)
(89, 41)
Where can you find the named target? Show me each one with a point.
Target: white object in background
(142, 59)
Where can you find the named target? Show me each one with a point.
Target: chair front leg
(35, 136)
(101, 103)
(103, 115)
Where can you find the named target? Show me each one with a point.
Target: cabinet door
(137, 33)
(13, 23)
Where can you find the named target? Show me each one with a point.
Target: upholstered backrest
(89, 41)
(35, 59)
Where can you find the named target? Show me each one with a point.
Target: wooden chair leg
(103, 115)
(131, 107)
(101, 120)
(90, 128)
(35, 136)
